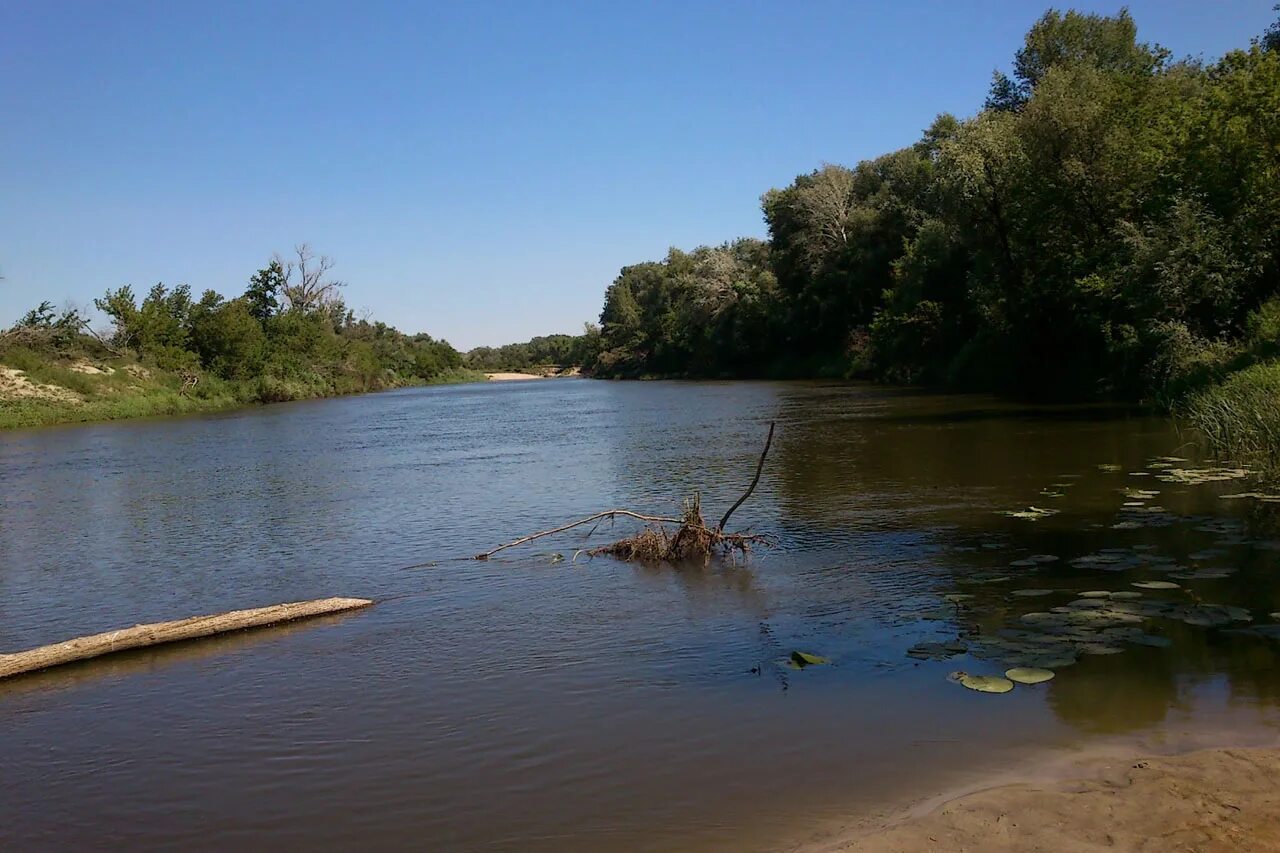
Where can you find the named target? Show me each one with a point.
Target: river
(534, 702)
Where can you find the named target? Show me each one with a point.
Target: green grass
(124, 394)
(1240, 417)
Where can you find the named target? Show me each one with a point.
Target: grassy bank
(38, 389)
(1240, 417)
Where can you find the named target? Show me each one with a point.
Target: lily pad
(1032, 593)
(983, 683)
(1153, 640)
(1156, 585)
(1031, 513)
(1028, 674)
(937, 651)
(1099, 649)
(803, 659)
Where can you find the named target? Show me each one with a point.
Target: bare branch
(612, 513)
(768, 442)
(306, 282)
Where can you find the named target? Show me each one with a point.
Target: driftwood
(599, 516)
(159, 633)
(692, 540)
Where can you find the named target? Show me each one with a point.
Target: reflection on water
(531, 704)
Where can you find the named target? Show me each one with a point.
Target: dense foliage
(548, 351)
(288, 336)
(1107, 224)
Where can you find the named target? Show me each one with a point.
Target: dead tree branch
(610, 514)
(768, 442)
(693, 540)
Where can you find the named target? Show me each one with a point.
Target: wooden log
(158, 633)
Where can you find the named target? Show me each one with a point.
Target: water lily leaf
(1099, 648)
(1032, 593)
(1150, 640)
(983, 683)
(1096, 593)
(937, 651)
(1205, 574)
(1156, 585)
(803, 659)
(1052, 663)
(1028, 675)
(1125, 595)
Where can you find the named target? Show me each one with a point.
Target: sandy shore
(1218, 799)
(510, 377)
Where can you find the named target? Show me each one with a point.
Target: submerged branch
(692, 540)
(610, 514)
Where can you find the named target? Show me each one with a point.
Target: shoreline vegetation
(1106, 225)
(1222, 799)
(289, 336)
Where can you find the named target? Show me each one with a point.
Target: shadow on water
(120, 665)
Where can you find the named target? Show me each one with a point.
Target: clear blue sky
(478, 170)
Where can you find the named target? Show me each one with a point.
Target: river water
(538, 703)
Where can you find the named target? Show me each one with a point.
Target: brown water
(527, 704)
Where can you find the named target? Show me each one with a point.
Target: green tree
(262, 295)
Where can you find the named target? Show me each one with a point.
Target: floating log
(159, 633)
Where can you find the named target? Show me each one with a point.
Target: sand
(510, 377)
(14, 385)
(1220, 799)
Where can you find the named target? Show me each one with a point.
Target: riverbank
(1214, 799)
(1240, 417)
(520, 376)
(38, 391)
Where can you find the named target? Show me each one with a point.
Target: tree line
(289, 335)
(1107, 223)
(542, 351)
